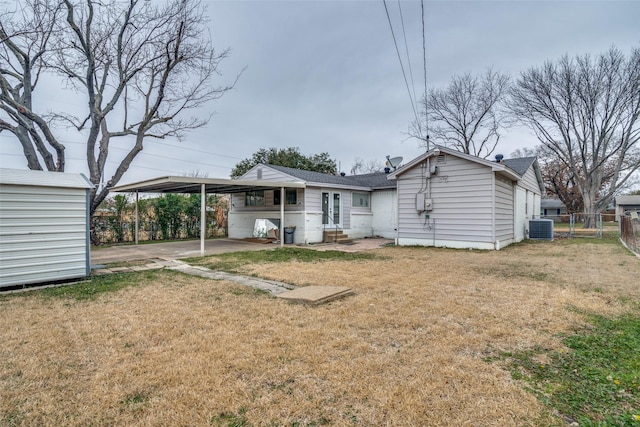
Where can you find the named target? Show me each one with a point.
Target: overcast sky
(324, 75)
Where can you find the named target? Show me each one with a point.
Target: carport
(204, 186)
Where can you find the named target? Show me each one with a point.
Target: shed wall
(43, 234)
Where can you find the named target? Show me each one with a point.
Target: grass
(91, 289)
(411, 347)
(596, 381)
(237, 261)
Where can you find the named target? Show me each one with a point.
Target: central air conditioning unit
(541, 229)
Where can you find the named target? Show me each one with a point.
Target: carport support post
(203, 217)
(281, 217)
(137, 221)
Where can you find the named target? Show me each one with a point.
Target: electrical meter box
(423, 204)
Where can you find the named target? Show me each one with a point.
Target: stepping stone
(316, 295)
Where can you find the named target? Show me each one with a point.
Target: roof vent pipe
(342, 174)
(499, 158)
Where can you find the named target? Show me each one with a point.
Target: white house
(442, 198)
(358, 205)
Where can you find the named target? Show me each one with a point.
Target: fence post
(601, 225)
(571, 224)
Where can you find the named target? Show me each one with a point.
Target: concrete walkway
(313, 295)
(270, 286)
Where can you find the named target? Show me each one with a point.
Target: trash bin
(288, 234)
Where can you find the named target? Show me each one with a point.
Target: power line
(424, 66)
(406, 47)
(404, 75)
(117, 163)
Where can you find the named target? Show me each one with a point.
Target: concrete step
(334, 236)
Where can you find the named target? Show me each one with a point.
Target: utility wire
(424, 66)
(406, 47)
(413, 106)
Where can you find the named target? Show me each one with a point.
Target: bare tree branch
(466, 115)
(143, 65)
(586, 111)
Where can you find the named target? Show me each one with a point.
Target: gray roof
(551, 204)
(376, 180)
(627, 200)
(519, 165)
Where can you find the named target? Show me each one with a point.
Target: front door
(331, 209)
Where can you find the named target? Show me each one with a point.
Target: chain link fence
(583, 225)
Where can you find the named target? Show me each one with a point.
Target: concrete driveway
(172, 250)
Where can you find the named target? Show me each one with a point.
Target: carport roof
(183, 184)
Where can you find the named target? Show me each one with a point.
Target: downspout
(88, 233)
(397, 211)
(203, 217)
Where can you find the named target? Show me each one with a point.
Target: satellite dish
(394, 162)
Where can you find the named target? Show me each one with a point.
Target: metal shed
(44, 227)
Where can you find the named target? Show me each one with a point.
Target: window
(360, 200)
(254, 198)
(290, 196)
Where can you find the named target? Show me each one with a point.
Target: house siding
(521, 225)
(462, 205)
(504, 217)
(238, 202)
(529, 182)
(384, 221)
(268, 174)
(43, 234)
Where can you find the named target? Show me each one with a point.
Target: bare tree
(24, 40)
(466, 115)
(586, 111)
(141, 66)
(362, 166)
(559, 181)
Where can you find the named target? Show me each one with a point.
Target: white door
(332, 209)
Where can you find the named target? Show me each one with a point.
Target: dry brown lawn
(409, 349)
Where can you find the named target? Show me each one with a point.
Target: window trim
(287, 193)
(255, 196)
(368, 200)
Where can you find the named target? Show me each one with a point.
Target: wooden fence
(630, 232)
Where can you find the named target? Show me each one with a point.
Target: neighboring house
(447, 198)
(552, 207)
(359, 205)
(442, 198)
(626, 204)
